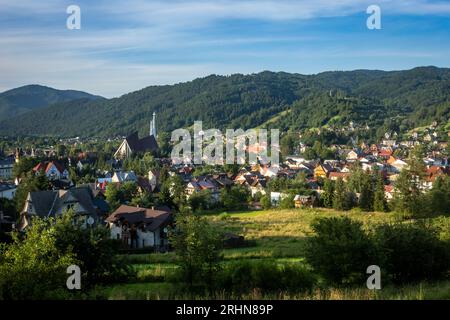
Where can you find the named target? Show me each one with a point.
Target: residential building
(46, 204)
(52, 169)
(151, 226)
(6, 168)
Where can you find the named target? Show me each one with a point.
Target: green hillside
(405, 99)
(32, 97)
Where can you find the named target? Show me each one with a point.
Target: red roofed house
(385, 154)
(53, 170)
(389, 192)
(432, 174)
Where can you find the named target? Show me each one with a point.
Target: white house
(399, 165)
(150, 224)
(6, 167)
(53, 170)
(352, 156)
(276, 197)
(124, 176)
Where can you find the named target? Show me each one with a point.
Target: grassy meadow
(275, 235)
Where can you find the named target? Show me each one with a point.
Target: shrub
(234, 198)
(265, 202)
(244, 276)
(224, 216)
(33, 267)
(287, 202)
(93, 248)
(198, 248)
(412, 252)
(340, 251)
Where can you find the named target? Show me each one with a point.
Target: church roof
(141, 145)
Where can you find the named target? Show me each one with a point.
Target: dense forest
(395, 100)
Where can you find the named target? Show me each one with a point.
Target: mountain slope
(27, 98)
(412, 97)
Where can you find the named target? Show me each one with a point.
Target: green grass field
(278, 235)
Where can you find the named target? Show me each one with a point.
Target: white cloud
(97, 76)
(87, 59)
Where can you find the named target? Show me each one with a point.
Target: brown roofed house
(151, 225)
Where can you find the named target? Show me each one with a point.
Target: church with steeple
(132, 144)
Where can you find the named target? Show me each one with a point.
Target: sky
(124, 46)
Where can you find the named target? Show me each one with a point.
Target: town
(133, 187)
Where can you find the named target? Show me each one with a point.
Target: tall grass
(165, 291)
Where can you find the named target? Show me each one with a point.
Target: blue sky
(127, 45)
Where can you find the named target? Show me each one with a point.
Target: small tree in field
(366, 192)
(379, 199)
(340, 250)
(341, 198)
(265, 202)
(328, 192)
(198, 248)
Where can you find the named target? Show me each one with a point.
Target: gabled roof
(47, 165)
(47, 203)
(153, 219)
(144, 184)
(325, 167)
(123, 176)
(145, 144)
(42, 202)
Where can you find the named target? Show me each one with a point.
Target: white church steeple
(153, 125)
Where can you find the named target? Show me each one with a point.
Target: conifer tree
(366, 192)
(340, 196)
(328, 192)
(379, 199)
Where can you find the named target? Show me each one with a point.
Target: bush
(412, 252)
(265, 202)
(33, 267)
(234, 198)
(287, 202)
(198, 249)
(95, 250)
(224, 216)
(202, 200)
(242, 277)
(340, 251)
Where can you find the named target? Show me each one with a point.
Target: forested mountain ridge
(412, 98)
(20, 100)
